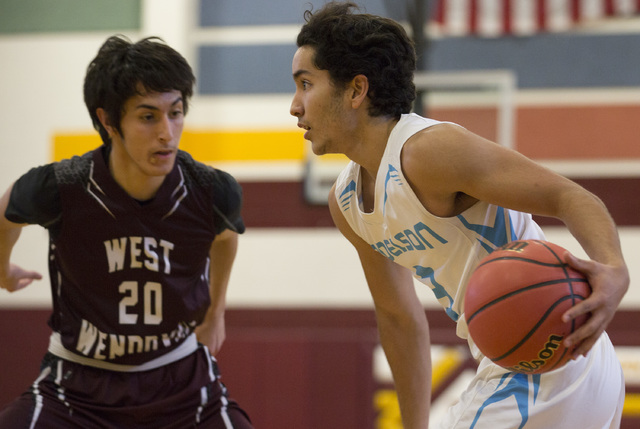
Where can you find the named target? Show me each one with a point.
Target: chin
(318, 149)
(160, 170)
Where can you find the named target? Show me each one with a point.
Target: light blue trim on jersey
(496, 234)
(518, 387)
(392, 173)
(345, 198)
(438, 290)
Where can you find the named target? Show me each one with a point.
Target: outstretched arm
(402, 326)
(12, 277)
(222, 254)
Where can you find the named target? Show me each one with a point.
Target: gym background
(302, 347)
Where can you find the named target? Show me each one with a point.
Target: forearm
(8, 238)
(222, 255)
(9, 234)
(212, 331)
(12, 277)
(406, 343)
(589, 221)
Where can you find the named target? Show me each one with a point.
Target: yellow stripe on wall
(631, 406)
(207, 146)
(450, 361)
(68, 145)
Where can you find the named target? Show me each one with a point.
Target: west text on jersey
(144, 252)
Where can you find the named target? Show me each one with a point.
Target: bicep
(6, 224)
(449, 160)
(224, 247)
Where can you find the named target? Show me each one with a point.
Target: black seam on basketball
(520, 258)
(524, 289)
(534, 329)
(564, 266)
(552, 251)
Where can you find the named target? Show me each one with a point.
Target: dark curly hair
(122, 69)
(348, 44)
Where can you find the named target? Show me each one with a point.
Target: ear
(358, 88)
(104, 120)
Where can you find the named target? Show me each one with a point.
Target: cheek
(178, 130)
(136, 145)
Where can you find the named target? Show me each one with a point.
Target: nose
(165, 129)
(296, 107)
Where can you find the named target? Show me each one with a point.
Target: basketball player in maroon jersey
(142, 241)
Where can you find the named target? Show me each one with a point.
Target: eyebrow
(148, 106)
(298, 73)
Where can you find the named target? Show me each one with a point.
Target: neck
(138, 185)
(371, 143)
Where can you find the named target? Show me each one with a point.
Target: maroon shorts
(185, 394)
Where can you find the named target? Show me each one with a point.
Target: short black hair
(348, 44)
(122, 69)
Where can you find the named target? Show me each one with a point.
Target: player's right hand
(18, 278)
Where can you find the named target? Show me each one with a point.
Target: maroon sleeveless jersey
(129, 279)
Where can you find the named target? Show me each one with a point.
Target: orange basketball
(514, 302)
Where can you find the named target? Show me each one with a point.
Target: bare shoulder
(438, 140)
(435, 160)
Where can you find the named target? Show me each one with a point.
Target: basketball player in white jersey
(426, 199)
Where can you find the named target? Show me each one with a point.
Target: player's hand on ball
(609, 284)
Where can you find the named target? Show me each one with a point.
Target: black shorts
(185, 394)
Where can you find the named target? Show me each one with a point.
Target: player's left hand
(608, 286)
(212, 333)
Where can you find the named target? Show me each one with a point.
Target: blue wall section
(547, 61)
(277, 12)
(215, 13)
(254, 69)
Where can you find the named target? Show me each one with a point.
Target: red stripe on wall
(282, 204)
(542, 15)
(506, 17)
(609, 8)
(575, 11)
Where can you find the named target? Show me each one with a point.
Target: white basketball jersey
(441, 252)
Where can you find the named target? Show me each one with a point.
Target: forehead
(303, 61)
(156, 99)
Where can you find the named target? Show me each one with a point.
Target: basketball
(514, 303)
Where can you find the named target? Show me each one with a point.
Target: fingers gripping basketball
(514, 303)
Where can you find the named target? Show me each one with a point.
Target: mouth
(304, 127)
(163, 154)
